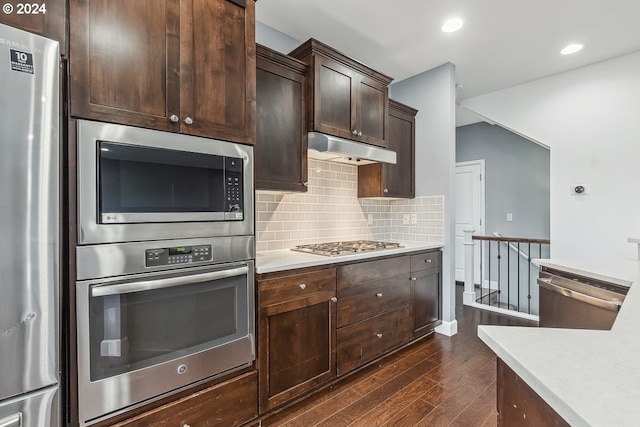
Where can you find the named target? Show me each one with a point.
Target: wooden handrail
(512, 239)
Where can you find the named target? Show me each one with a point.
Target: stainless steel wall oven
(164, 265)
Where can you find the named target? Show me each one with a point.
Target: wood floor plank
(410, 415)
(480, 409)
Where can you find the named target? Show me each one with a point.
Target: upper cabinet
(281, 138)
(46, 19)
(388, 180)
(346, 98)
(176, 65)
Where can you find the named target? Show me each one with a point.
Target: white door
(469, 211)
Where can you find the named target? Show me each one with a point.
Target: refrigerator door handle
(14, 420)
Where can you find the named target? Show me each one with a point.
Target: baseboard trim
(447, 328)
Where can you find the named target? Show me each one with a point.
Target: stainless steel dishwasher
(578, 303)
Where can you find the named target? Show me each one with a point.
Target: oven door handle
(611, 305)
(147, 285)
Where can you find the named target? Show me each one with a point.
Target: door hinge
(480, 177)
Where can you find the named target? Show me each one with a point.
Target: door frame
(483, 195)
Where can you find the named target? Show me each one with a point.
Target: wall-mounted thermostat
(579, 189)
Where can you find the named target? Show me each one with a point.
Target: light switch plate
(414, 219)
(370, 219)
(509, 217)
(405, 219)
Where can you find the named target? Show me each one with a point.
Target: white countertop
(285, 259)
(591, 378)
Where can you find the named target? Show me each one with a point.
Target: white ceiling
(502, 43)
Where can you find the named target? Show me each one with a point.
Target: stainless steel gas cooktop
(345, 248)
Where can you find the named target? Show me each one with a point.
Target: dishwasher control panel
(177, 255)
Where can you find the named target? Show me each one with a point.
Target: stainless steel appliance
(138, 184)
(29, 226)
(334, 149)
(345, 248)
(578, 304)
(157, 316)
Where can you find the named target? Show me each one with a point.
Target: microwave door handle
(147, 285)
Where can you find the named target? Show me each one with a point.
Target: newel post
(469, 296)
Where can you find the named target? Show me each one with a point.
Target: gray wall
(517, 179)
(433, 94)
(274, 39)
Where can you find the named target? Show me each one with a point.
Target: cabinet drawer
(365, 300)
(364, 341)
(279, 289)
(365, 272)
(426, 260)
(231, 403)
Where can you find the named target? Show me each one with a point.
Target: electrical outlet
(509, 217)
(405, 219)
(414, 219)
(370, 219)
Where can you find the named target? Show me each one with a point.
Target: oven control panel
(177, 255)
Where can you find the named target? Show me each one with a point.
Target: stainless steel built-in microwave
(138, 184)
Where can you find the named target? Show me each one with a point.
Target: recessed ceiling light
(572, 48)
(452, 25)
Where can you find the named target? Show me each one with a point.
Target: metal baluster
(529, 277)
(481, 277)
(499, 268)
(508, 277)
(489, 258)
(518, 305)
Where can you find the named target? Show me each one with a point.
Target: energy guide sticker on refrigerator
(29, 226)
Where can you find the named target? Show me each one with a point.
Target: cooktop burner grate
(345, 248)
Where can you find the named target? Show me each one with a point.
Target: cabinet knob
(174, 118)
(359, 133)
(386, 190)
(379, 294)
(427, 260)
(414, 278)
(302, 286)
(185, 425)
(355, 132)
(306, 183)
(334, 299)
(379, 335)
(188, 121)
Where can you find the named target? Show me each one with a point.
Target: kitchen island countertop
(285, 259)
(590, 378)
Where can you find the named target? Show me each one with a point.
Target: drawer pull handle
(379, 335)
(303, 286)
(334, 299)
(379, 294)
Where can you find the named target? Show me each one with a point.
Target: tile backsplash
(330, 210)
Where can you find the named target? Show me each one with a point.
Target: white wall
(433, 94)
(274, 39)
(589, 119)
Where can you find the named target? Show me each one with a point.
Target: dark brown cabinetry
(177, 65)
(45, 18)
(426, 292)
(346, 98)
(519, 405)
(281, 138)
(374, 313)
(388, 180)
(231, 403)
(296, 334)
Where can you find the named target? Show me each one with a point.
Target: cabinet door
(47, 19)
(281, 140)
(217, 69)
(124, 61)
(296, 347)
(371, 111)
(334, 98)
(426, 300)
(399, 179)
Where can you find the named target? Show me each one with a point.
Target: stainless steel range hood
(334, 149)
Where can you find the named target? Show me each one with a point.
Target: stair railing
(507, 284)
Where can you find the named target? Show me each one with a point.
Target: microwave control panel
(233, 188)
(177, 255)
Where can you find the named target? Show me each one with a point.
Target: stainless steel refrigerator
(29, 230)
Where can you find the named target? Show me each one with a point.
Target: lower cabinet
(374, 312)
(519, 405)
(231, 403)
(296, 335)
(426, 292)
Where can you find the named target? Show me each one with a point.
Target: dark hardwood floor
(438, 381)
